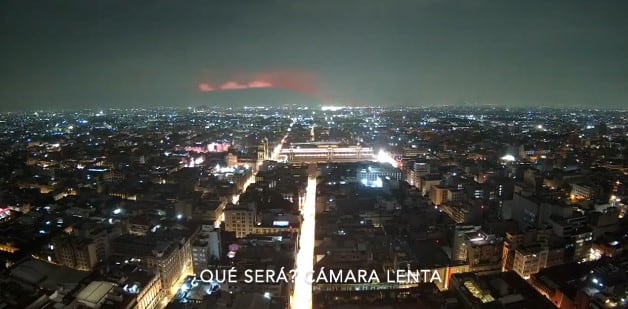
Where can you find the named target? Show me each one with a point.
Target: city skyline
(291, 207)
(75, 55)
(450, 154)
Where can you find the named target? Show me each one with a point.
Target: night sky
(74, 54)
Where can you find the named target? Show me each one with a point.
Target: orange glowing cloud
(260, 84)
(303, 82)
(205, 87)
(233, 86)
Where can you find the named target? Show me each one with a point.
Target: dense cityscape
(462, 206)
(327, 154)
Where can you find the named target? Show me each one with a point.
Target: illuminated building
(240, 219)
(426, 182)
(438, 195)
(511, 243)
(75, 252)
(214, 242)
(502, 290)
(481, 251)
(138, 289)
(572, 226)
(263, 150)
(200, 254)
(458, 250)
(598, 284)
(418, 169)
(610, 248)
(326, 152)
(8, 246)
(146, 287)
(461, 214)
(375, 175)
(170, 258)
(530, 260)
(245, 220)
(484, 253)
(535, 238)
(96, 293)
(205, 248)
(582, 191)
(211, 147)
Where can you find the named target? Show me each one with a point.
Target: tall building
(200, 254)
(527, 211)
(511, 243)
(206, 248)
(573, 228)
(147, 286)
(171, 260)
(75, 252)
(438, 194)
(240, 219)
(426, 182)
(214, 243)
(101, 235)
(484, 253)
(530, 260)
(481, 251)
(458, 246)
(263, 151)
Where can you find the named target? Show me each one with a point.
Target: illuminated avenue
(302, 295)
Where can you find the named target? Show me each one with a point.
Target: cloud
(205, 87)
(304, 82)
(260, 84)
(231, 85)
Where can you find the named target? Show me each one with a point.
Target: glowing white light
(508, 158)
(281, 223)
(378, 183)
(302, 296)
(117, 211)
(385, 157)
(331, 108)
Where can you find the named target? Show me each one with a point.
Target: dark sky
(87, 54)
